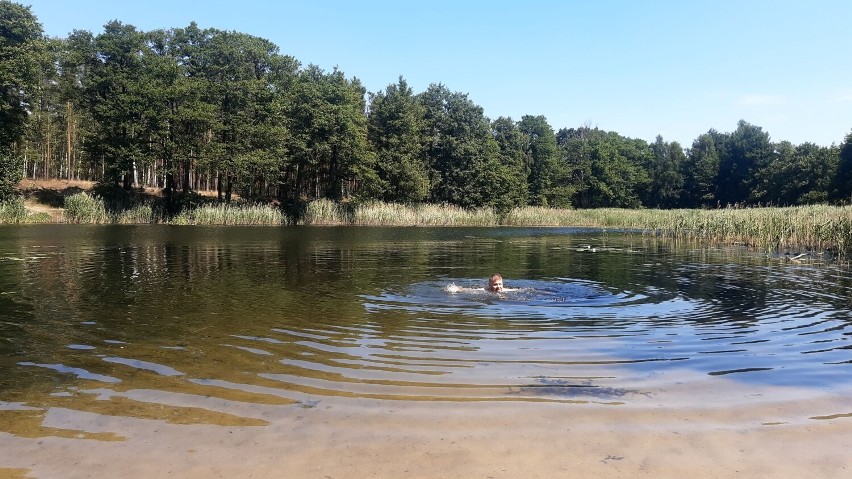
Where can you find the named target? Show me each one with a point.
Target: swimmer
(495, 285)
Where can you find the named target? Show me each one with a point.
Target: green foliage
(188, 107)
(143, 213)
(465, 164)
(329, 136)
(545, 172)
(394, 130)
(513, 156)
(10, 174)
(119, 100)
(842, 184)
(606, 168)
(22, 54)
(231, 215)
(742, 154)
(701, 172)
(665, 169)
(85, 208)
(13, 211)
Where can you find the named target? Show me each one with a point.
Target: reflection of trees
(197, 288)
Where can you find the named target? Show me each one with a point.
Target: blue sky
(640, 68)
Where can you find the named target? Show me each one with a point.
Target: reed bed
(85, 208)
(540, 216)
(392, 214)
(232, 215)
(140, 214)
(324, 212)
(801, 228)
(376, 213)
(815, 228)
(12, 211)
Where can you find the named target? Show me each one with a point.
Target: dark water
(293, 315)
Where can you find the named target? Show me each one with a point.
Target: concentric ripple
(159, 323)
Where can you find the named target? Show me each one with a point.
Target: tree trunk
(68, 143)
(218, 187)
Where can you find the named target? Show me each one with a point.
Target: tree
(394, 129)
(701, 171)
(606, 168)
(843, 178)
(574, 145)
(329, 149)
(746, 151)
(798, 174)
(665, 169)
(513, 146)
(22, 54)
(464, 157)
(75, 59)
(542, 158)
(117, 101)
(247, 85)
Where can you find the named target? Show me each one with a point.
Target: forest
(189, 109)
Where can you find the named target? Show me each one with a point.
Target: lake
(176, 351)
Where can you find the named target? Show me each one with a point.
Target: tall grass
(143, 213)
(327, 212)
(390, 214)
(377, 213)
(228, 215)
(13, 211)
(804, 228)
(540, 216)
(800, 228)
(85, 208)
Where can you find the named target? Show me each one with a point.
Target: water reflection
(206, 323)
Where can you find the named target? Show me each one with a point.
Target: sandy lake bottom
(685, 428)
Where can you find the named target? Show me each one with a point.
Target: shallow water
(244, 327)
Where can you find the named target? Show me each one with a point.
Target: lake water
(339, 351)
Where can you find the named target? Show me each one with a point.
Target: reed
(326, 212)
(800, 228)
(13, 211)
(539, 216)
(143, 213)
(394, 214)
(231, 215)
(377, 213)
(85, 208)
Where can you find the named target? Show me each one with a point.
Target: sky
(675, 68)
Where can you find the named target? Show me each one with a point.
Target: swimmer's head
(495, 283)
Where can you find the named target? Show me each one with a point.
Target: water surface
(214, 326)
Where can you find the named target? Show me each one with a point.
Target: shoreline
(817, 230)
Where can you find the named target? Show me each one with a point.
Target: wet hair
(494, 277)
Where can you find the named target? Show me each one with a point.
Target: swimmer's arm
(454, 288)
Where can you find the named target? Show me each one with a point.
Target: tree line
(189, 109)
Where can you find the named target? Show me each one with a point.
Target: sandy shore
(670, 429)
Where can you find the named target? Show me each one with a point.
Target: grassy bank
(802, 228)
(806, 228)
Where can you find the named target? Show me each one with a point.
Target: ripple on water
(554, 299)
